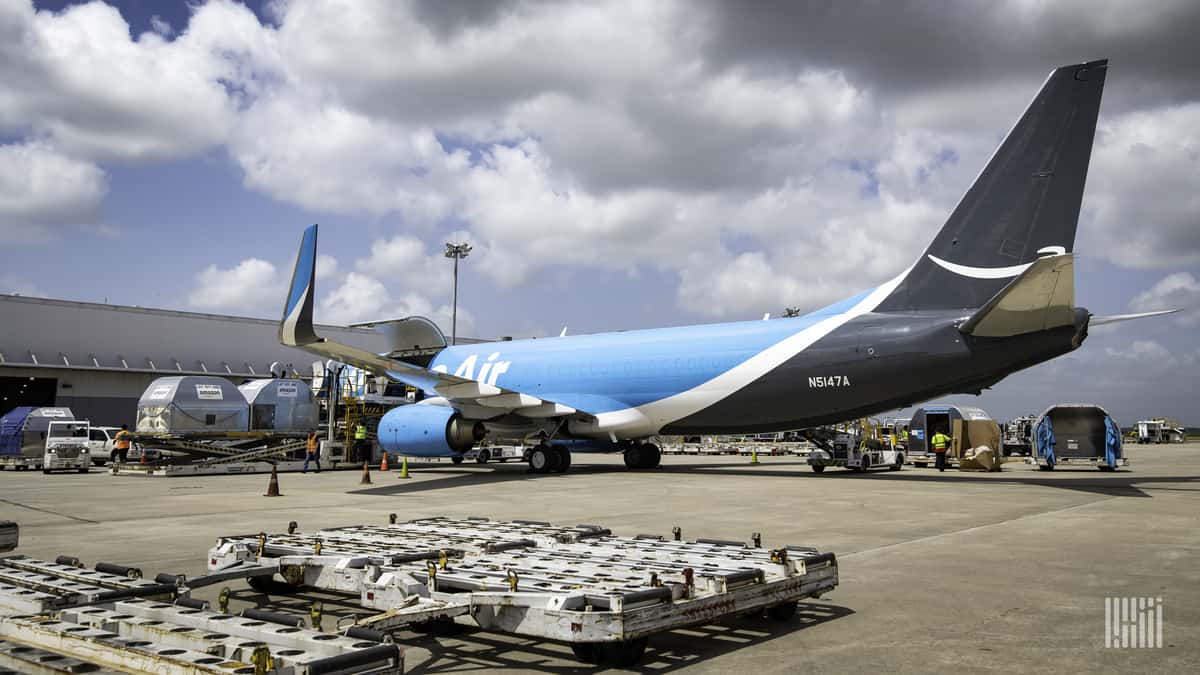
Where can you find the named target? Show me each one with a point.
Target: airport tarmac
(939, 571)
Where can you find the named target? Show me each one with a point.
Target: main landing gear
(546, 458)
(643, 456)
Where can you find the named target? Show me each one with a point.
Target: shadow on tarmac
(1116, 484)
(465, 647)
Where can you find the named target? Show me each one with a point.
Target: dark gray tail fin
(1025, 203)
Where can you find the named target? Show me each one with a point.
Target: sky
(615, 165)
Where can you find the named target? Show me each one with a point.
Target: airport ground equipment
(495, 453)
(1077, 434)
(1017, 435)
(975, 441)
(200, 453)
(23, 435)
(67, 446)
(858, 451)
(192, 403)
(1160, 431)
(61, 617)
(603, 594)
(280, 404)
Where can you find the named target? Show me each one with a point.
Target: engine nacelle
(427, 431)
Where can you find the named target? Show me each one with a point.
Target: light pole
(458, 252)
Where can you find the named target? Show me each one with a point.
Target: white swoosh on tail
(981, 272)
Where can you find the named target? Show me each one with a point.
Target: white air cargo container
(188, 404)
(280, 405)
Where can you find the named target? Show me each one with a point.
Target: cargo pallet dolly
(602, 594)
(201, 454)
(59, 617)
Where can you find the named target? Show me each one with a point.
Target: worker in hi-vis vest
(360, 444)
(941, 443)
(121, 444)
(312, 451)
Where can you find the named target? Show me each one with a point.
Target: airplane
(991, 295)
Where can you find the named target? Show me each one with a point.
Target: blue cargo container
(23, 431)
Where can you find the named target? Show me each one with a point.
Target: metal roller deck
(579, 585)
(58, 617)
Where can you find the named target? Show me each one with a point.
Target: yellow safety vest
(940, 441)
(360, 432)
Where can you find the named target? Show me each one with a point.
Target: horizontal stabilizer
(1042, 297)
(1101, 320)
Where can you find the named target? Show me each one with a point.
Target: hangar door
(19, 391)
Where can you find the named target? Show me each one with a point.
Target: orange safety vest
(122, 440)
(312, 444)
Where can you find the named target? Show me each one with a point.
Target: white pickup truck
(67, 447)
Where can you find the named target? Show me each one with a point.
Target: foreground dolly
(62, 617)
(603, 594)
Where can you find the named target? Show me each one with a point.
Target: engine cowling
(427, 431)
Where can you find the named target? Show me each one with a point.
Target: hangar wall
(102, 357)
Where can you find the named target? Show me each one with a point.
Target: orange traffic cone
(383, 465)
(366, 478)
(273, 486)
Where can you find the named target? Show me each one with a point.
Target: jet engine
(428, 431)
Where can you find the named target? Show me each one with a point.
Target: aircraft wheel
(483, 457)
(457, 459)
(818, 468)
(564, 458)
(651, 456)
(633, 456)
(541, 459)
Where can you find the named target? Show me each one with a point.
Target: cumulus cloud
(764, 156)
(41, 188)
(1145, 200)
(252, 286)
(361, 297)
(1148, 352)
(79, 78)
(1174, 291)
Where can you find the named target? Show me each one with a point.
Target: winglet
(296, 326)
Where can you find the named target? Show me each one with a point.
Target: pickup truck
(67, 447)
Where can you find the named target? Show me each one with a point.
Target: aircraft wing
(296, 330)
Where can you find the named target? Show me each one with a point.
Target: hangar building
(97, 359)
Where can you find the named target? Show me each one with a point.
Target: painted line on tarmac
(974, 528)
(53, 513)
